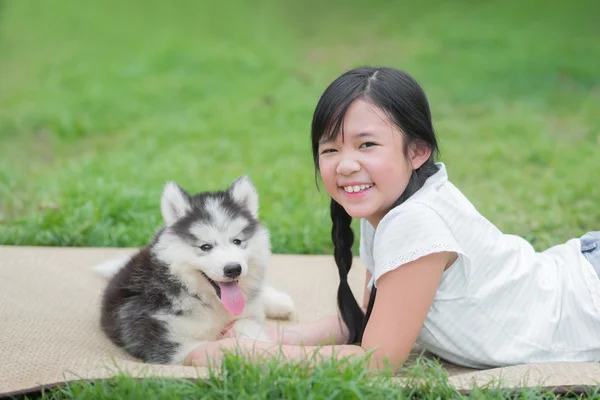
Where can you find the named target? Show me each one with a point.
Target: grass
(101, 105)
(274, 379)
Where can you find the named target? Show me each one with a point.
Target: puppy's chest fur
(194, 317)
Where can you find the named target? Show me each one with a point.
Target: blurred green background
(102, 102)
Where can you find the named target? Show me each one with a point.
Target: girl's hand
(210, 352)
(286, 333)
(279, 333)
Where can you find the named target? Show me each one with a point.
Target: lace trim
(416, 254)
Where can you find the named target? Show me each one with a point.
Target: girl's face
(366, 171)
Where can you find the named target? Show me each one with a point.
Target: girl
(439, 273)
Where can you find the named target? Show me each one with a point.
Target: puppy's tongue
(232, 297)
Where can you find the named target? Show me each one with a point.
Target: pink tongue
(232, 297)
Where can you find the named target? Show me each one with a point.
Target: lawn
(274, 379)
(101, 104)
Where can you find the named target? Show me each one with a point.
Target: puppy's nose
(232, 270)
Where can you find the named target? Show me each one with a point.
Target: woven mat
(49, 330)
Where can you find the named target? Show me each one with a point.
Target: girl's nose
(348, 166)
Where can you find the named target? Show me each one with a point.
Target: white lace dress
(501, 302)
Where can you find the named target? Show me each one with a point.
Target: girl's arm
(326, 331)
(404, 296)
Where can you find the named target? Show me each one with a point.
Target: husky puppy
(204, 269)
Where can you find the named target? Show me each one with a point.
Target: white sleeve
(366, 244)
(407, 233)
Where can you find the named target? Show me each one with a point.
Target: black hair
(404, 102)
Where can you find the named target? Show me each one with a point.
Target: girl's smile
(354, 189)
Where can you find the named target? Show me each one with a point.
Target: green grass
(101, 105)
(274, 379)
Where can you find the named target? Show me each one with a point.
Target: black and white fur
(160, 303)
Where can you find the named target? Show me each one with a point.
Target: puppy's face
(213, 238)
(218, 241)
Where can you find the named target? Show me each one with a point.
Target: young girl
(439, 273)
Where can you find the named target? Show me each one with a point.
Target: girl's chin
(371, 214)
(357, 212)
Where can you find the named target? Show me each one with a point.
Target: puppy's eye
(206, 247)
(237, 242)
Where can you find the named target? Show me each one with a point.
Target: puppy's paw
(250, 329)
(278, 304)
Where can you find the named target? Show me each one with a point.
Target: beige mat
(49, 332)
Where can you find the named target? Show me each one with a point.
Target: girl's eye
(328, 151)
(237, 242)
(367, 144)
(206, 247)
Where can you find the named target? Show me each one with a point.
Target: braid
(343, 238)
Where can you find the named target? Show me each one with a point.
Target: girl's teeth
(356, 188)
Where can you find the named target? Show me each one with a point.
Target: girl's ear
(419, 153)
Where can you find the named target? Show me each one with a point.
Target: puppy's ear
(244, 193)
(174, 204)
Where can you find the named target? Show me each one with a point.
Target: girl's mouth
(356, 190)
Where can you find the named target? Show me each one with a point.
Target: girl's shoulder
(423, 211)
(406, 234)
(439, 201)
(428, 220)
(414, 215)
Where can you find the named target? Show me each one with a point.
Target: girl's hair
(402, 99)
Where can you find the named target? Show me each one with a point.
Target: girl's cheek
(326, 166)
(328, 175)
